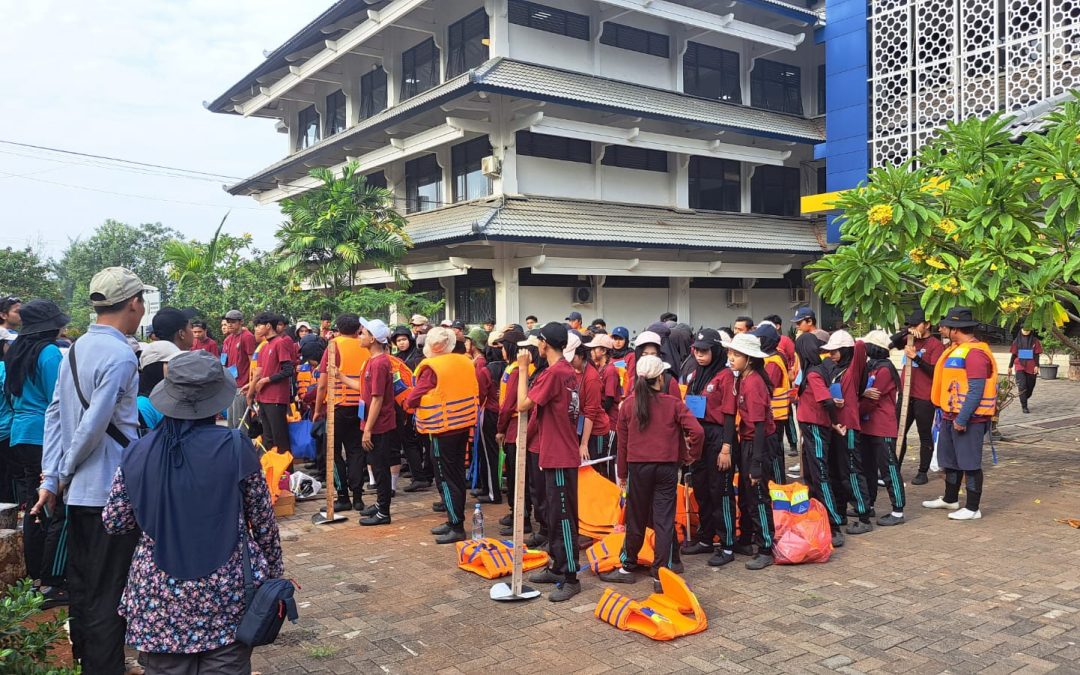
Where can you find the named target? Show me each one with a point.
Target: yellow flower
(934, 262)
(917, 255)
(880, 214)
(947, 226)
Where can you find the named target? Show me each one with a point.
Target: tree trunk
(1074, 368)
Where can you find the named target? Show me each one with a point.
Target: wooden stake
(331, 449)
(519, 473)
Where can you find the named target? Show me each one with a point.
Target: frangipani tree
(976, 219)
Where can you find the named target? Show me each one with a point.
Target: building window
(711, 72)
(474, 296)
(377, 179)
(335, 113)
(635, 158)
(714, 184)
(821, 89)
(775, 190)
(635, 39)
(821, 179)
(468, 43)
(372, 93)
(423, 184)
(776, 86)
(549, 19)
(553, 147)
(469, 182)
(419, 68)
(309, 128)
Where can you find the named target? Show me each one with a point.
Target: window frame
(638, 159)
(768, 75)
(371, 83)
(622, 37)
(336, 116)
(457, 54)
(769, 182)
(307, 120)
(527, 14)
(410, 63)
(466, 159)
(413, 182)
(558, 148)
(730, 191)
(725, 62)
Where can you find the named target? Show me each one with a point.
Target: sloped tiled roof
(555, 220)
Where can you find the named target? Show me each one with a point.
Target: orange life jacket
(620, 365)
(255, 357)
(672, 613)
(492, 558)
(306, 377)
(351, 360)
(606, 554)
(781, 394)
(401, 376)
(506, 378)
(453, 403)
(950, 387)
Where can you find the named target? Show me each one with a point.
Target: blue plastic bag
(303, 444)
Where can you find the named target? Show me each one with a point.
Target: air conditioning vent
(583, 295)
(737, 297)
(490, 166)
(800, 296)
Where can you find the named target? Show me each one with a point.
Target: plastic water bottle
(477, 523)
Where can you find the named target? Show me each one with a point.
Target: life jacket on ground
(662, 616)
(453, 403)
(274, 465)
(351, 360)
(494, 558)
(606, 554)
(950, 387)
(599, 504)
(401, 376)
(781, 393)
(506, 378)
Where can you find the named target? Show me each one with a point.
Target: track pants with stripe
(448, 450)
(651, 492)
(600, 446)
(510, 450)
(848, 478)
(714, 490)
(537, 482)
(487, 458)
(755, 502)
(775, 446)
(815, 465)
(561, 508)
(879, 458)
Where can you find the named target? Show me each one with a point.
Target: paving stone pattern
(998, 595)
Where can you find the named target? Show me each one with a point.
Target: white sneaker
(940, 503)
(965, 514)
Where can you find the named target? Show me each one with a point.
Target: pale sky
(127, 79)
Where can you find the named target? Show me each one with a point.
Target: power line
(91, 164)
(134, 196)
(118, 159)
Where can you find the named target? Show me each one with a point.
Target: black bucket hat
(40, 316)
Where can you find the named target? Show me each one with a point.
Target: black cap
(707, 338)
(555, 334)
(168, 321)
(40, 316)
(959, 317)
(916, 317)
(400, 330)
(459, 324)
(512, 337)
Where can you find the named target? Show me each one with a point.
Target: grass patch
(321, 651)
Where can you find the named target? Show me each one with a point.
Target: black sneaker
(507, 520)
(417, 485)
(377, 518)
(565, 591)
(441, 529)
(889, 519)
(919, 479)
(854, 513)
(759, 562)
(438, 507)
(721, 558)
(341, 505)
(536, 541)
(484, 499)
(546, 576)
(583, 542)
(696, 548)
(677, 567)
(1025, 409)
(476, 492)
(743, 549)
(509, 530)
(451, 537)
(837, 539)
(859, 527)
(619, 575)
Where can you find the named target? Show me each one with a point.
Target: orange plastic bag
(274, 464)
(802, 537)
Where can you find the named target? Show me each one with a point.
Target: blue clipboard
(696, 404)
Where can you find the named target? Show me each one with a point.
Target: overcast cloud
(127, 79)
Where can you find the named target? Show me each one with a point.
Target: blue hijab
(183, 480)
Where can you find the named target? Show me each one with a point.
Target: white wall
(537, 46)
(555, 178)
(709, 306)
(635, 186)
(634, 308)
(629, 66)
(547, 303)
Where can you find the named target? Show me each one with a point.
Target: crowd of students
(713, 408)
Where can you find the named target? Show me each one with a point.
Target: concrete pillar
(447, 284)
(507, 291)
(598, 294)
(498, 28)
(503, 146)
(679, 297)
(442, 156)
(679, 179)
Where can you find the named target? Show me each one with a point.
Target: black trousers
(234, 659)
(600, 446)
(775, 446)
(848, 478)
(562, 520)
(382, 456)
(815, 461)
(1025, 386)
(510, 450)
(652, 489)
(275, 426)
(790, 430)
(7, 474)
(879, 458)
(24, 459)
(448, 451)
(755, 502)
(415, 448)
(97, 573)
(350, 464)
(534, 478)
(714, 490)
(487, 458)
(921, 413)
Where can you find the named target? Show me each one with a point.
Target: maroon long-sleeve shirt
(671, 429)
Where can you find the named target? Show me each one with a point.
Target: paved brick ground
(998, 595)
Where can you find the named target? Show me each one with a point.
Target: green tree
(975, 219)
(333, 229)
(25, 274)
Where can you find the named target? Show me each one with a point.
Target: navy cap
(620, 332)
(573, 316)
(804, 313)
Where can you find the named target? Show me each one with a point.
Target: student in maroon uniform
(508, 427)
(777, 373)
(713, 474)
(657, 434)
(754, 401)
(845, 373)
(488, 490)
(1024, 357)
(237, 349)
(879, 415)
(596, 427)
(273, 390)
(817, 414)
(649, 342)
(600, 348)
(553, 395)
(923, 355)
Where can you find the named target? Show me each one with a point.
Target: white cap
(377, 328)
(157, 351)
(572, 344)
(878, 338)
(649, 366)
(838, 340)
(646, 337)
(748, 344)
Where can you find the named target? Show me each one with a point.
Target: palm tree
(190, 260)
(333, 229)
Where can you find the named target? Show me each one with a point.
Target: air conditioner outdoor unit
(490, 166)
(800, 296)
(583, 295)
(736, 297)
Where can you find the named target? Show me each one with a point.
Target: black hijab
(677, 349)
(808, 348)
(703, 375)
(21, 360)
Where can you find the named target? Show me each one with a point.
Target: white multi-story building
(619, 157)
